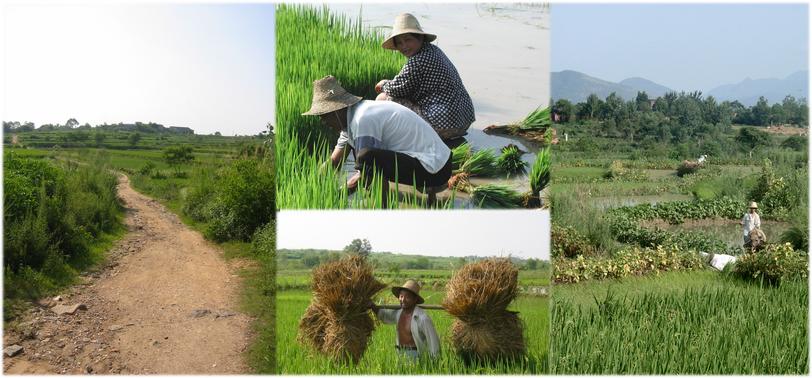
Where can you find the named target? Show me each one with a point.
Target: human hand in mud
(379, 86)
(352, 182)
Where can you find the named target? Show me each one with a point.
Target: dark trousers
(400, 168)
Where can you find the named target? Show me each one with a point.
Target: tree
(134, 139)
(642, 102)
(564, 109)
(176, 156)
(751, 138)
(217, 133)
(532, 264)
(593, 105)
(99, 136)
(761, 112)
(71, 123)
(361, 247)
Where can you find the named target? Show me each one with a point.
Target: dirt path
(165, 302)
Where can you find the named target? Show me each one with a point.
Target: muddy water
(615, 201)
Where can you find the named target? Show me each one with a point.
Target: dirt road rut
(165, 302)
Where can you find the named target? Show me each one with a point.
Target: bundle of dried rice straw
(337, 322)
(478, 296)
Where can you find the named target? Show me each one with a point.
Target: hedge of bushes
(628, 262)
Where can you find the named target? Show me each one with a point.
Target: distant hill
(577, 86)
(774, 90)
(651, 88)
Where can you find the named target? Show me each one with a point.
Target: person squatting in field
(416, 335)
(428, 84)
(387, 138)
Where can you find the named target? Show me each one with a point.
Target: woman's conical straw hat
(405, 23)
(329, 96)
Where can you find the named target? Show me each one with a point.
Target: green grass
(380, 356)
(679, 323)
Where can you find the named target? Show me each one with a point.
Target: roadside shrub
(775, 263)
(794, 142)
(244, 201)
(147, 169)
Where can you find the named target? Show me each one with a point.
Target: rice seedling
(496, 196)
(480, 163)
(540, 173)
(312, 43)
(511, 160)
(538, 119)
(460, 154)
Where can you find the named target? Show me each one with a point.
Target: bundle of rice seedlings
(480, 163)
(536, 120)
(511, 160)
(337, 322)
(496, 196)
(540, 173)
(460, 154)
(478, 296)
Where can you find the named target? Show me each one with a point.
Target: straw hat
(329, 96)
(405, 23)
(410, 285)
(753, 205)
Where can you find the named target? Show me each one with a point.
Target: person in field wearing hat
(387, 137)
(416, 335)
(751, 223)
(429, 83)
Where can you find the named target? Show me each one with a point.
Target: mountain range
(577, 86)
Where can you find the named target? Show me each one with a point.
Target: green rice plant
(540, 173)
(460, 154)
(511, 160)
(311, 43)
(496, 196)
(536, 120)
(480, 163)
(715, 328)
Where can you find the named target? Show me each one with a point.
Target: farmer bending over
(387, 138)
(751, 224)
(416, 335)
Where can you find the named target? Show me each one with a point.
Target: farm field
(679, 323)
(293, 297)
(635, 225)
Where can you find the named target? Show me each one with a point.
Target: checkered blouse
(431, 80)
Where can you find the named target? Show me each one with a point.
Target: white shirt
(423, 333)
(390, 126)
(750, 222)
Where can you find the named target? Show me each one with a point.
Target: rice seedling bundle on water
(337, 322)
(478, 296)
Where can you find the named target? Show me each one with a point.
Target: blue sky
(209, 67)
(682, 46)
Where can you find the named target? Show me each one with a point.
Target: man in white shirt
(388, 138)
(416, 335)
(750, 222)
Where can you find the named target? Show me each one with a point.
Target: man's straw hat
(329, 96)
(410, 285)
(405, 23)
(753, 205)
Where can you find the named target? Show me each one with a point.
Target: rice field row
(312, 43)
(381, 357)
(716, 328)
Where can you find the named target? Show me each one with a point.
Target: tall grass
(310, 44)
(736, 329)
